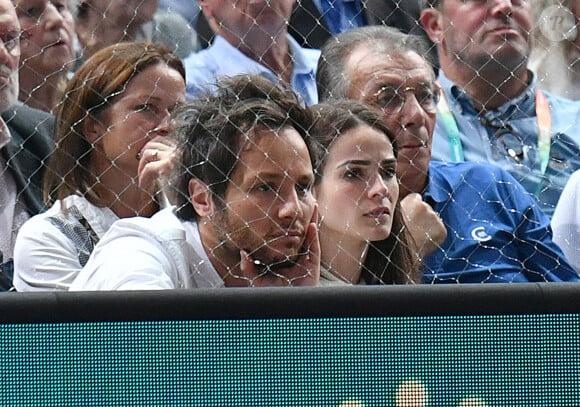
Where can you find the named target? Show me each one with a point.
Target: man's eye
(304, 189)
(387, 98)
(428, 96)
(266, 188)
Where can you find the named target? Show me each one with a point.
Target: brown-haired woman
(111, 155)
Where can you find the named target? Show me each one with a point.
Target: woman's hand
(156, 162)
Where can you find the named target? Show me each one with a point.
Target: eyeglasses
(392, 99)
(506, 142)
(11, 40)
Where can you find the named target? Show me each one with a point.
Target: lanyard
(544, 129)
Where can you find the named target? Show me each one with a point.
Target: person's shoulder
(137, 253)
(573, 182)
(464, 170)
(23, 110)
(41, 222)
(23, 115)
(470, 173)
(218, 47)
(163, 225)
(467, 168)
(29, 123)
(202, 66)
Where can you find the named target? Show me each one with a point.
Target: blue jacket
(495, 230)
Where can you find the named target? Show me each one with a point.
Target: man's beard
(500, 59)
(234, 238)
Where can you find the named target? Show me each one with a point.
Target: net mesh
(126, 158)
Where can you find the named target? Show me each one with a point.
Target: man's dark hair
(212, 129)
(331, 79)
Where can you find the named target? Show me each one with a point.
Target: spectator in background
(495, 113)
(47, 51)
(313, 22)
(101, 23)
(25, 144)
(495, 231)
(556, 50)
(252, 37)
(363, 237)
(245, 213)
(111, 152)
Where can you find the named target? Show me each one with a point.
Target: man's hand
(305, 271)
(424, 224)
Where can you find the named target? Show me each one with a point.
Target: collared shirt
(520, 114)
(495, 231)
(12, 212)
(222, 59)
(341, 15)
(156, 253)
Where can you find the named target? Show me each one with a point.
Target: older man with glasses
(495, 230)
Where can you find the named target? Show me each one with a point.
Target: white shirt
(566, 221)
(156, 253)
(48, 255)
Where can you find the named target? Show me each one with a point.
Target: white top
(566, 221)
(156, 253)
(52, 247)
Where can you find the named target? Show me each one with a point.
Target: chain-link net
(114, 110)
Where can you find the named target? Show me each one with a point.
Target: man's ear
(206, 9)
(201, 198)
(432, 21)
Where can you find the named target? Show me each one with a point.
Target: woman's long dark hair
(388, 261)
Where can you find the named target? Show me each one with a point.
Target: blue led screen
(415, 361)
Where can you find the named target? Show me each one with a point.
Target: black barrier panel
(494, 345)
(310, 302)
